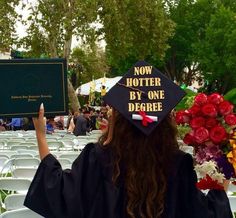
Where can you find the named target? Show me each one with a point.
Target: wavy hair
(146, 161)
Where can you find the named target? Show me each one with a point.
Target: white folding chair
(28, 143)
(8, 184)
(232, 201)
(14, 184)
(25, 155)
(68, 144)
(55, 145)
(23, 172)
(70, 156)
(33, 148)
(20, 213)
(3, 161)
(65, 163)
(18, 147)
(30, 162)
(14, 201)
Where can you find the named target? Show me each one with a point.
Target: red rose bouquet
(212, 133)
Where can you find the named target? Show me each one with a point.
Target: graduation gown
(86, 191)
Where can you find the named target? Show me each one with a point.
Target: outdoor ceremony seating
(20, 213)
(14, 201)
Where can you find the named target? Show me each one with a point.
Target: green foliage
(90, 63)
(182, 131)
(215, 50)
(187, 101)
(8, 17)
(134, 30)
(231, 96)
(178, 63)
(52, 23)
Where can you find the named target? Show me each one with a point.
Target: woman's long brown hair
(146, 160)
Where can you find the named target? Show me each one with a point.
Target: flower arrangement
(212, 133)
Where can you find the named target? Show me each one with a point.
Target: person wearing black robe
(135, 170)
(87, 190)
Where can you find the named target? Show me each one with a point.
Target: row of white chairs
(13, 203)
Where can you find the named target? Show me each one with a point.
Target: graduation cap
(144, 96)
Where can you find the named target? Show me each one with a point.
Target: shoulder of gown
(66, 193)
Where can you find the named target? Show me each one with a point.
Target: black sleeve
(193, 203)
(55, 193)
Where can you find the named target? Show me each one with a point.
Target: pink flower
(215, 98)
(230, 119)
(200, 99)
(208, 153)
(225, 108)
(197, 122)
(201, 135)
(209, 110)
(218, 134)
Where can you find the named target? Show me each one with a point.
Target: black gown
(86, 191)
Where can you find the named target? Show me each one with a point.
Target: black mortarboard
(144, 96)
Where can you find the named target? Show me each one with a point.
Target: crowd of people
(78, 123)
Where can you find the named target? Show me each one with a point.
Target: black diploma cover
(26, 83)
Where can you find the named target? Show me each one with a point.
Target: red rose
(211, 122)
(182, 117)
(197, 122)
(225, 108)
(200, 99)
(230, 119)
(218, 134)
(189, 139)
(209, 110)
(201, 135)
(195, 111)
(215, 98)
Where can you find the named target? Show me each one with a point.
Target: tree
(88, 63)
(134, 30)
(216, 51)
(8, 17)
(191, 18)
(52, 25)
(178, 63)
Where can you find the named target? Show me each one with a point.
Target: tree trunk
(74, 104)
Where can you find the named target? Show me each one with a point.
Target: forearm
(42, 146)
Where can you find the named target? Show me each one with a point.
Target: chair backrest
(69, 156)
(28, 143)
(20, 213)
(33, 148)
(55, 145)
(28, 155)
(14, 184)
(27, 151)
(65, 163)
(232, 201)
(22, 172)
(26, 162)
(14, 201)
(18, 147)
(232, 188)
(3, 161)
(9, 153)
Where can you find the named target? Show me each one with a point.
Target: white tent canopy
(97, 85)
